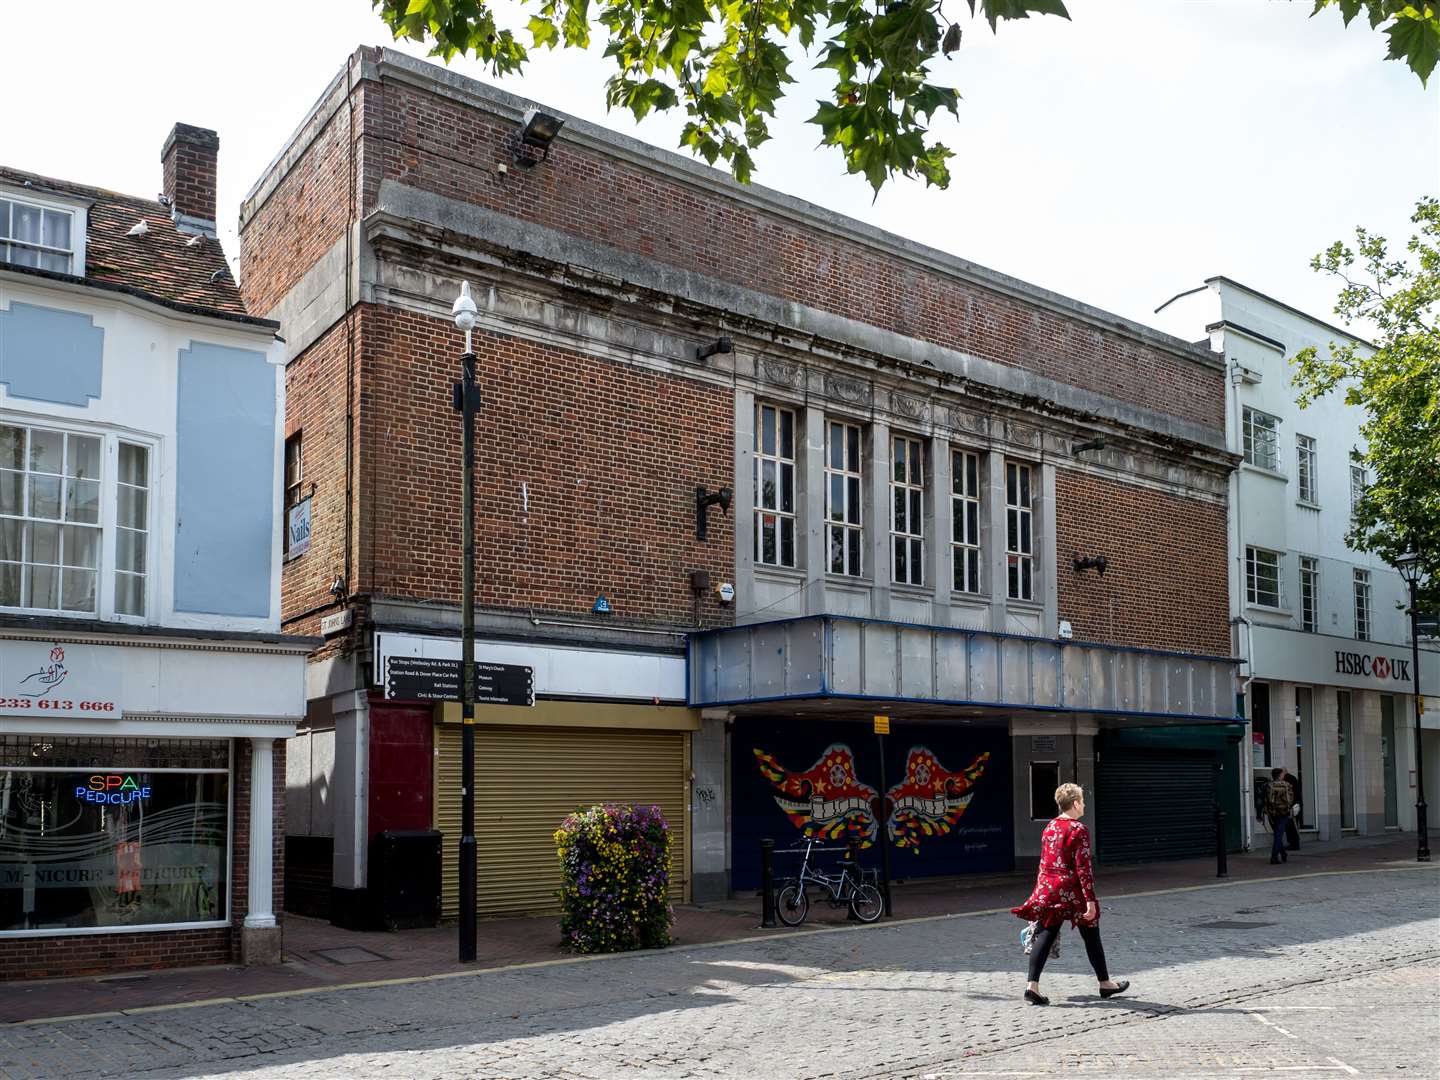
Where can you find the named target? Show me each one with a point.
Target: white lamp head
(464, 309)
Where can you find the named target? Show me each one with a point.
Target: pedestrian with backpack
(1278, 801)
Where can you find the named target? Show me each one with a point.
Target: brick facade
(1165, 586)
(104, 954)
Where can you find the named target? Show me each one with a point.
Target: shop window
(774, 486)
(1044, 779)
(111, 833)
(1260, 725)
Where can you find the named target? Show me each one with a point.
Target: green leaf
(1416, 41)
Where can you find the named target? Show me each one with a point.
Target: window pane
(852, 443)
(787, 434)
(134, 465)
(130, 594)
(83, 460)
(10, 584)
(129, 550)
(79, 590)
(4, 217)
(22, 256)
(25, 223)
(132, 503)
(837, 549)
(767, 539)
(59, 264)
(1024, 487)
(44, 544)
(1013, 573)
(900, 459)
(82, 546)
(1012, 485)
(1025, 533)
(83, 501)
(12, 497)
(917, 561)
(1012, 530)
(901, 571)
(972, 565)
(12, 447)
(972, 522)
(837, 498)
(11, 532)
(916, 513)
(837, 446)
(853, 544)
(42, 587)
(767, 485)
(45, 497)
(1026, 584)
(57, 229)
(47, 451)
(787, 488)
(852, 509)
(767, 431)
(787, 541)
(972, 474)
(957, 526)
(898, 512)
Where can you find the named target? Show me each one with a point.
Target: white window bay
(36, 235)
(58, 536)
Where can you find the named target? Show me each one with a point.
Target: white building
(143, 678)
(1323, 629)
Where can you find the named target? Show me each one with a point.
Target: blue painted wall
(50, 355)
(224, 484)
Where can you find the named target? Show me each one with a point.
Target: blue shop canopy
(844, 661)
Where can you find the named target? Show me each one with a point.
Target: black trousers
(1045, 937)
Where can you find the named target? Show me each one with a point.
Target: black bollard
(1222, 866)
(767, 883)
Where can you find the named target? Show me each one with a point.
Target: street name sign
(423, 678)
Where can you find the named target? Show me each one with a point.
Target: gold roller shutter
(527, 779)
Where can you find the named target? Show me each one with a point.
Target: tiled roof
(159, 264)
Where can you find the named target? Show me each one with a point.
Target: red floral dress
(1066, 882)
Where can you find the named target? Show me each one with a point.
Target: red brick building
(901, 430)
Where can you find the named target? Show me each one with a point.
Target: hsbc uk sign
(1373, 667)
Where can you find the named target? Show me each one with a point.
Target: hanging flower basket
(615, 863)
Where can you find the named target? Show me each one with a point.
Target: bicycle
(864, 899)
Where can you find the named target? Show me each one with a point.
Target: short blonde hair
(1067, 795)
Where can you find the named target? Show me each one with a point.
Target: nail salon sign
(49, 679)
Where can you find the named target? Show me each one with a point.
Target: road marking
(643, 954)
(1347, 1068)
(1272, 1024)
(1339, 1066)
(1293, 1008)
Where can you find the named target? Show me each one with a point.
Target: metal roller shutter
(527, 779)
(1154, 804)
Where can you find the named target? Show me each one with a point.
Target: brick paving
(1315, 976)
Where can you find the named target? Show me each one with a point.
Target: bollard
(1222, 866)
(767, 883)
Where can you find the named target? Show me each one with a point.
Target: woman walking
(1065, 889)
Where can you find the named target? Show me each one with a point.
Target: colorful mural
(938, 820)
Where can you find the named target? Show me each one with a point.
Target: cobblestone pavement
(1330, 975)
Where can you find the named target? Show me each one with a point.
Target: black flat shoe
(1118, 988)
(1274, 861)
(1036, 999)
(1284, 856)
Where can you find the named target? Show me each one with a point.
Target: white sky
(1117, 158)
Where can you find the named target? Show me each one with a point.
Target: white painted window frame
(780, 463)
(1364, 603)
(1020, 532)
(1309, 594)
(79, 221)
(848, 470)
(1305, 470)
(907, 482)
(1252, 592)
(111, 438)
(966, 547)
(1260, 432)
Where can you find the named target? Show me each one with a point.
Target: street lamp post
(464, 312)
(1409, 567)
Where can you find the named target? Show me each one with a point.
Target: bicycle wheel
(867, 904)
(792, 905)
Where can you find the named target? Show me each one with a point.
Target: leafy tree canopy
(1397, 383)
(727, 63)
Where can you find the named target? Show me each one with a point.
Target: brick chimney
(189, 159)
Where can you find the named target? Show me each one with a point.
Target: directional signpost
(421, 678)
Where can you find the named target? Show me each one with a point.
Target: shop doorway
(1387, 757)
(1305, 755)
(1346, 754)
